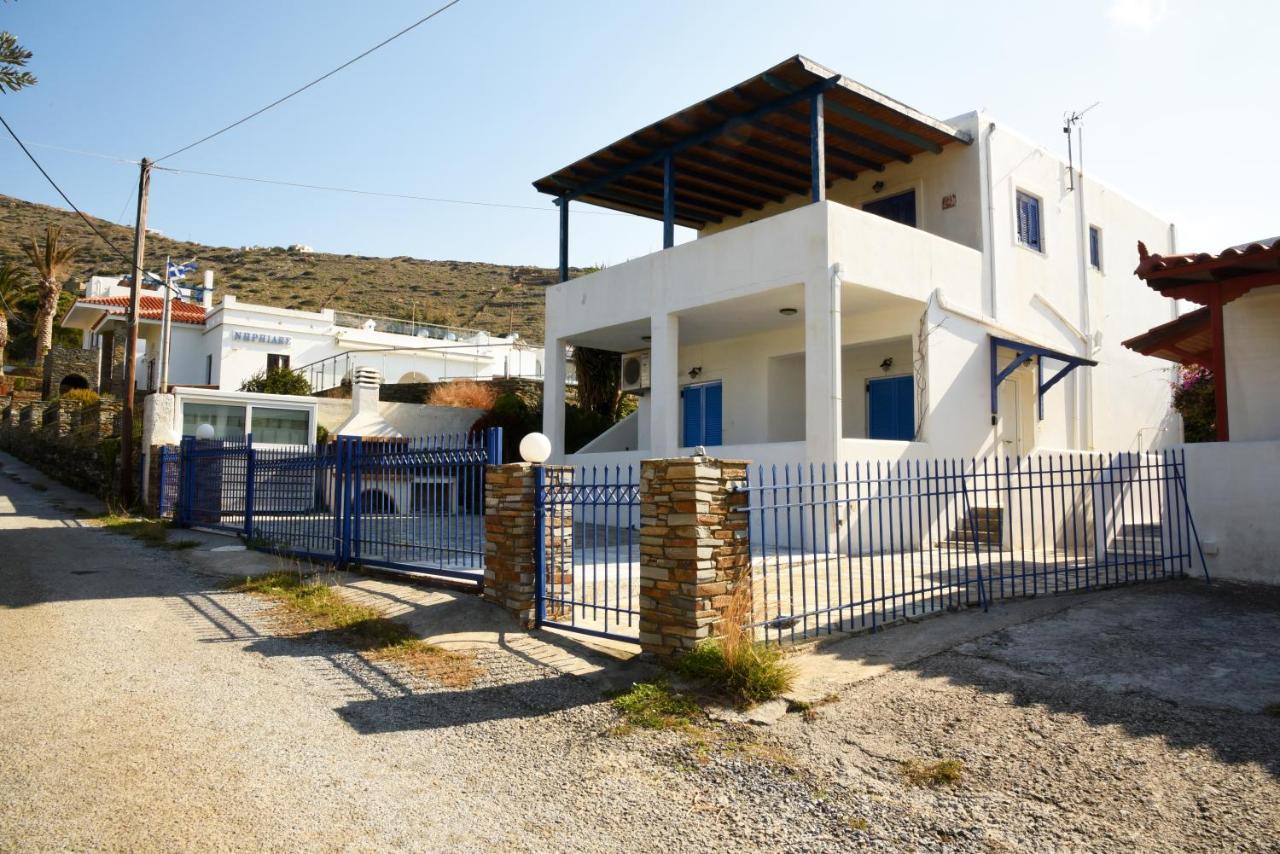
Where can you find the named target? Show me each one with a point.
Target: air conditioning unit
(635, 371)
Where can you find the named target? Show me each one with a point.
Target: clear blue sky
(493, 94)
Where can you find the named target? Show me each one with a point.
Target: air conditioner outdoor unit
(635, 371)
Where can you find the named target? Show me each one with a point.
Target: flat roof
(750, 145)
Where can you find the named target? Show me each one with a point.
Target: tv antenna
(1075, 120)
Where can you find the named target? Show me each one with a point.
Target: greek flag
(177, 272)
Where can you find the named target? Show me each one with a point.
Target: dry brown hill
(493, 297)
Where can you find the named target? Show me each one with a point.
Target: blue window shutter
(1028, 210)
(891, 408)
(713, 416)
(692, 399)
(1095, 253)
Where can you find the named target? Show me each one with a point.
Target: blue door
(900, 208)
(891, 408)
(702, 415)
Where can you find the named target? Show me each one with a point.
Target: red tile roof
(150, 308)
(1247, 259)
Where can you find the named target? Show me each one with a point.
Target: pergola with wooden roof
(1211, 281)
(795, 128)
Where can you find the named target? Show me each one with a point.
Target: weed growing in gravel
(808, 709)
(315, 606)
(152, 532)
(945, 772)
(857, 823)
(653, 705)
(733, 664)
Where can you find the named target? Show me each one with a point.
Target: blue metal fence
(588, 561)
(843, 548)
(170, 474)
(411, 505)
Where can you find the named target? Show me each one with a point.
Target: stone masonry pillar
(511, 531)
(694, 550)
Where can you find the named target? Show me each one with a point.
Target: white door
(1012, 429)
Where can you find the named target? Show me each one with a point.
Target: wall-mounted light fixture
(788, 312)
(877, 186)
(886, 364)
(694, 372)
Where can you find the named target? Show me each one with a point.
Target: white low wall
(1234, 492)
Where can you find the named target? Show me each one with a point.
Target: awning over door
(1023, 353)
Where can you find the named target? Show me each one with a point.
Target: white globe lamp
(535, 448)
(205, 432)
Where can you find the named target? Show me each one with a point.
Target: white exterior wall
(1234, 489)
(1251, 328)
(966, 251)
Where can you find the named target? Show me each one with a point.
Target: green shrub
(87, 396)
(653, 705)
(279, 381)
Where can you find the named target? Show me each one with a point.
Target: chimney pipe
(207, 292)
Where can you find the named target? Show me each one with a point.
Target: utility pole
(131, 351)
(166, 327)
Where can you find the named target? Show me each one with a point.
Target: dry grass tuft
(734, 664)
(312, 606)
(153, 532)
(463, 393)
(945, 772)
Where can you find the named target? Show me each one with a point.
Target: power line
(358, 192)
(304, 88)
(321, 187)
(65, 198)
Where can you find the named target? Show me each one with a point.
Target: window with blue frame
(1095, 247)
(702, 415)
(1030, 232)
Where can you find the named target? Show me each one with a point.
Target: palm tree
(51, 263)
(13, 283)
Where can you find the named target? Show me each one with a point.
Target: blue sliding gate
(409, 505)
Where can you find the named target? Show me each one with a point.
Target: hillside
(493, 297)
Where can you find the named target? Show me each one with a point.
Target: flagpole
(166, 321)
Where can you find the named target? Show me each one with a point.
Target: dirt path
(143, 708)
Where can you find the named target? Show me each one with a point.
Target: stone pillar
(511, 530)
(694, 550)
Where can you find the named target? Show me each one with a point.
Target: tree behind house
(51, 263)
(278, 381)
(13, 284)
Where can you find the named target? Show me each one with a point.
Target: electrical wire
(358, 192)
(65, 198)
(322, 187)
(304, 88)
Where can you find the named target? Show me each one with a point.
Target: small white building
(221, 345)
(867, 283)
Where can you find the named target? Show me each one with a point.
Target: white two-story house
(867, 282)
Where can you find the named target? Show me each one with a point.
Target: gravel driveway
(143, 708)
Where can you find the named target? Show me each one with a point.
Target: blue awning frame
(1023, 353)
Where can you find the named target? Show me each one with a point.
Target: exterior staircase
(985, 524)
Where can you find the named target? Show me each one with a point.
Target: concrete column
(553, 395)
(664, 396)
(822, 369)
(695, 556)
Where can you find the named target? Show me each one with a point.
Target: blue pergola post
(817, 147)
(564, 238)
(668, 202)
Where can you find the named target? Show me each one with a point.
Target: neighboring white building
(220, 346)
(864, 281)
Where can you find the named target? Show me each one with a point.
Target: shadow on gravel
(1193, 664)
